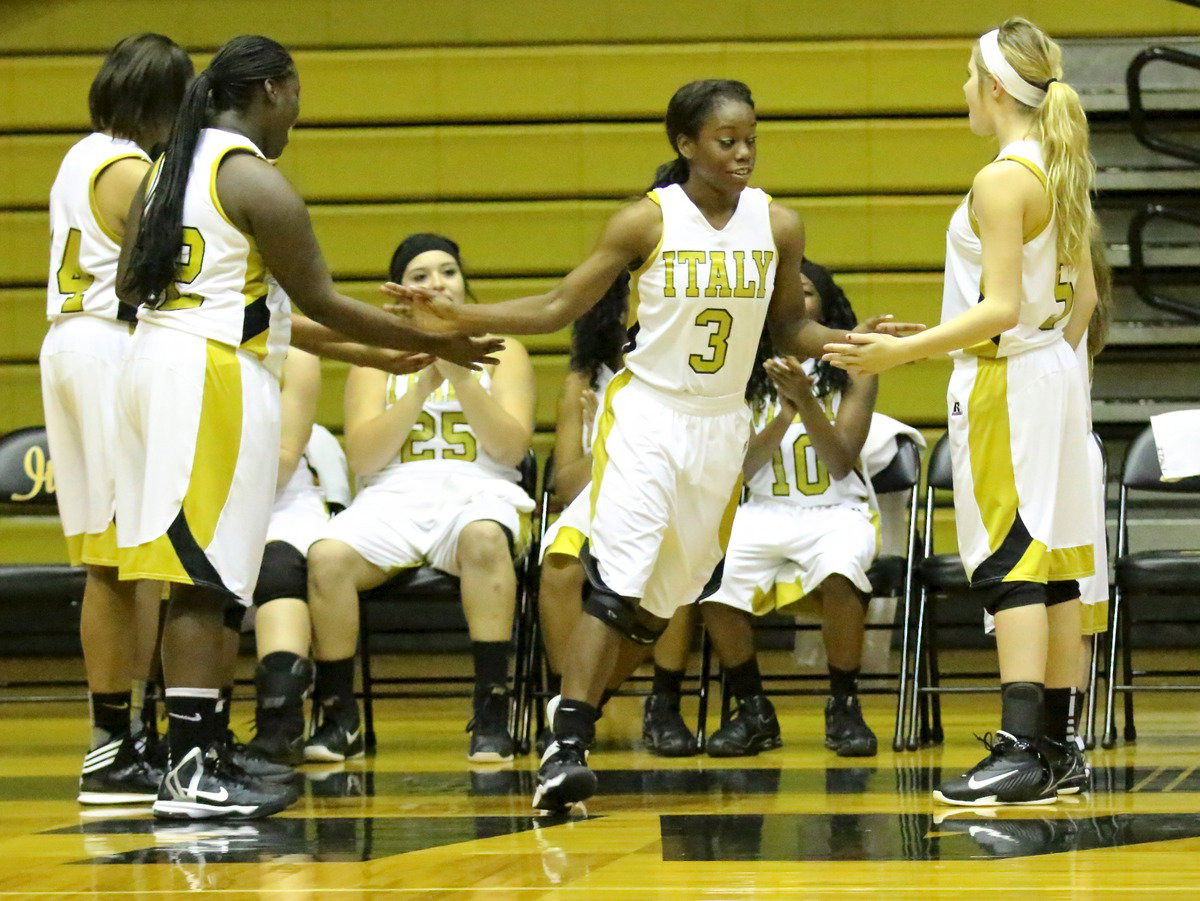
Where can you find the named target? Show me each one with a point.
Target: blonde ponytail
(1061, 127)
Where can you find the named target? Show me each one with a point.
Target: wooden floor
(418, 821)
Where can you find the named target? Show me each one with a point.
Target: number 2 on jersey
(718, 340)
(455, 432)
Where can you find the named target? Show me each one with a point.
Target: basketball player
(133, 100)
(806, 534)
(199, 392)
(599, 340)
(713, 258)
(438, 454)
(1018, 423)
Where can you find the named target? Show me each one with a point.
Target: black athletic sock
(553, 684)
(151, 697)
(668, 681)
(335, 690)
(224, 707)
(575, 720)
(1021, 709)
(605, 697)
(192, 720)
(843, 683)
(1060, 714)
(110, 716)
(491, 662)
(745, 680)
(282, 678)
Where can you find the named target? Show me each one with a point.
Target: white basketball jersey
(221, 290)
(1047, 286)
(441, 440)
(795, 473)
(703, 296)
(83, 252)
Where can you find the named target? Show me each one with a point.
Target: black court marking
(311, 840)
(903, 781)
(964, 835)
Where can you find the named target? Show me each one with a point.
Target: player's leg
(663, 729)
(488, 585)
(844, 614)
(336, 574)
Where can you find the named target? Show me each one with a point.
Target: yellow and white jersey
(441, 440)
(703, 296)
(795, 473)
(83, 252)
(1047, 286)
(221, 291)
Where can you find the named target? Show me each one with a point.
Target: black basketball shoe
(335, 739)
(256, 764)
(753, 728)
(846, 732)
(563, 778)
(1072, 774)
(663, 729)
(491, 741)
(208, 784)
(121, 771)
(1014, 772)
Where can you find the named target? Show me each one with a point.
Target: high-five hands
(438, 316)
(874, 346)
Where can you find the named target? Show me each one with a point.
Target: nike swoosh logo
(352, 737)
(116, 706)
(983, 783)
(191, 717)
(222, 795)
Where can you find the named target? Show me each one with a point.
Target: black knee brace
(233, 615)
(624, 614)
(283, 574)
(1061, 592)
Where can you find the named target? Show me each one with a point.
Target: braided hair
(836, 313)
(599, 336)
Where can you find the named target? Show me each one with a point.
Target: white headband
(1000, 68)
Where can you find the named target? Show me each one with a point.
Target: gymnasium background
(517, 127)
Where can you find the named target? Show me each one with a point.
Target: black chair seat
(1159, 571)
(42, 584)
(422, 583)
(887, 576)
(944, 572)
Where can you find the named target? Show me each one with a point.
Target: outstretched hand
(470, 353)
(866, 354)
(403, 362)
(886, 325)
(425, 310)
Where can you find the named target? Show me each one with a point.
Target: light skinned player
(1018, 402)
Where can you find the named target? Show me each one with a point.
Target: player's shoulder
(786, 224)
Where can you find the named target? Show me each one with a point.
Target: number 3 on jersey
(718, 340)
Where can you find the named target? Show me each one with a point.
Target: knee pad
(283, 574)
(624, 614)
(1061, 592)
(233, 615)
(1011, 595)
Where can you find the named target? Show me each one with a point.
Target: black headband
(415, 245)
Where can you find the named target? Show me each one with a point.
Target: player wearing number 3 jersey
(713, 259)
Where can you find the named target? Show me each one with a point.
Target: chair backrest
(1142, 470)
(904, 470)
(26, 473)
(941, 472)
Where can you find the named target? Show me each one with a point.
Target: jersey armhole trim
(654, 254)
(1036, 171)
(212, 183)
(100, 170)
